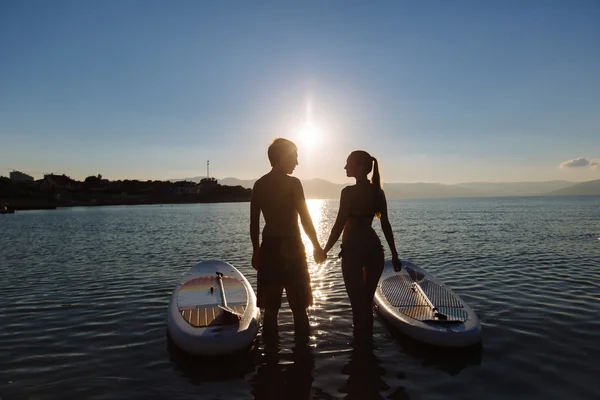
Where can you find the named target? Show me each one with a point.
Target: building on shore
(18, 176)
(185, 187)
(63, 182)
(207, 184)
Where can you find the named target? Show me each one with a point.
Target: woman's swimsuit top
(370, 215)
(362, 219)
(357, 216)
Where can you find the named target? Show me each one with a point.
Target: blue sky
(438, 91)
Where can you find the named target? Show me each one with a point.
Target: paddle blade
(229, 316)
(440, 316)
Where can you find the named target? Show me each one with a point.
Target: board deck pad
(398, 292)
(199, 306)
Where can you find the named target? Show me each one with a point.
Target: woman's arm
(389, 235)
(340, 221)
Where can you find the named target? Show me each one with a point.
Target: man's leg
(299, 310)
(299, 295)
(273, 303)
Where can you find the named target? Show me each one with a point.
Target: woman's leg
(372, 274)
(352, 271)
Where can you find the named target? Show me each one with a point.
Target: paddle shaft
(228, 313)
(221, 289)
(418, 287)
(436, 313)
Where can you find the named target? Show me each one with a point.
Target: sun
(308, 129)
(309, 134)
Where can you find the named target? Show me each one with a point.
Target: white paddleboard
(197, 321)
(422, 307)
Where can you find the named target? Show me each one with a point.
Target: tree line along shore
(61, 191)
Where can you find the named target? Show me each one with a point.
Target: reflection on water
(201, 369)
(365, 375)
(284, 374)
(450, 360)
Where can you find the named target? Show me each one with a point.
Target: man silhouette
(281, 259)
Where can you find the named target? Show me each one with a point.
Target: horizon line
(328, 181)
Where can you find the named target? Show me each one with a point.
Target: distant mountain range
(589, 188)
(322, 189)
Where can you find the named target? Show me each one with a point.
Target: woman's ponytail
(377, 190)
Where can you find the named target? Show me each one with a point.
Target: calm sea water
(84, 295)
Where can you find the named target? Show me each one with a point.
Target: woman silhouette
(362, 252)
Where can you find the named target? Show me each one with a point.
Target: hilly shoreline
(322, 189)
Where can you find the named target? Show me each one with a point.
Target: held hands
(319, 255)
(396, 263)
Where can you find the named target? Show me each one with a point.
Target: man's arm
(305, 218)
(255, 225)
(340, 221)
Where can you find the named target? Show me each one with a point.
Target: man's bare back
(278, 195)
